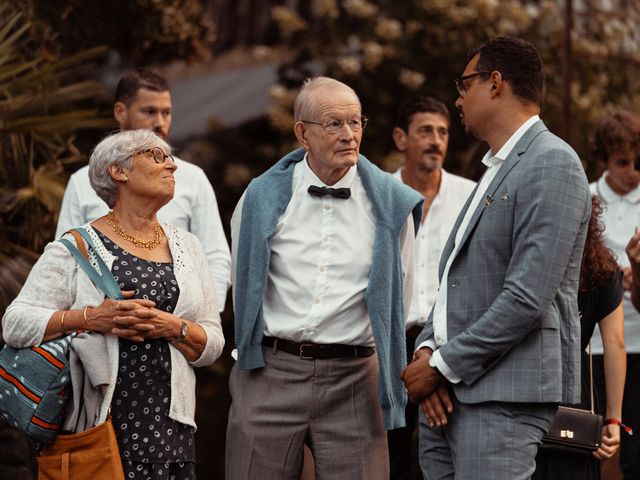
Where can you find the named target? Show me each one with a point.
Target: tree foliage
(389, 50)
(142, 32)
(42, 104)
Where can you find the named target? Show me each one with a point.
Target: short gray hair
(117, 149)
(304, 107)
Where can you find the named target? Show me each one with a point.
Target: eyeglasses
(157, 154)
(461, 87)
(335, 126)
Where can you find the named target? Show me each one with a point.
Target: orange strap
(65, 466)
(80, 243)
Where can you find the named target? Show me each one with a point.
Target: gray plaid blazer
(512, 317)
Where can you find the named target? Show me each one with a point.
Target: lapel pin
(488, 201)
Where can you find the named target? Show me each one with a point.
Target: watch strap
(184, 329)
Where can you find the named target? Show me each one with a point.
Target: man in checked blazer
(500, 349)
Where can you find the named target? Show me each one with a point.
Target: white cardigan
(57, 283)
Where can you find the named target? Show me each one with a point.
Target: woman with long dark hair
(600, 303)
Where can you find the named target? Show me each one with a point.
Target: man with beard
(501, 346)
(143, 101)
(422, 135)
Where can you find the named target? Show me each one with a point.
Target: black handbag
(575, 430)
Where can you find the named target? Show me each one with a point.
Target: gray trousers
(331, 405)
(492, 440)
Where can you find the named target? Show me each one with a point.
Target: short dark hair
(517, 61)
(615, 133)
(420, 104)
(136, 79)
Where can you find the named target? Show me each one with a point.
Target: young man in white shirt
(616, 145)
(322, 261)
(422, 135)
(143, 101)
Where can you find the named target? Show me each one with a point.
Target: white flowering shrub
(389, 50)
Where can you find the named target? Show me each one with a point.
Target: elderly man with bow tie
(322, 246)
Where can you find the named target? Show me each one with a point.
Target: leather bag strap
(104, 280)
(79, 243)
(593, 410)
(65, 467)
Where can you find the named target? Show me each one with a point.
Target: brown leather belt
(311, 351)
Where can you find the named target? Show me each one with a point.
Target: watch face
(183, 329)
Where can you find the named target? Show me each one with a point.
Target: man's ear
(301, 134)
(399, 138)
(497, 83)
(120, 113)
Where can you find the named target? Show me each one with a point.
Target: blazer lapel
(511, 161)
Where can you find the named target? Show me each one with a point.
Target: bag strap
(593, 410)
(104, 280)
(79, 243)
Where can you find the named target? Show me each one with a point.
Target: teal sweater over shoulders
(265, 200)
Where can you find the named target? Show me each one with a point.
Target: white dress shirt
(193, 208)
(434, 232)
(620, 217)
(494, 162)
(321, 254)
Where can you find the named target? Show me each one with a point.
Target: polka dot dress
(152, 445)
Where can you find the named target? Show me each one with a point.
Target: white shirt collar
(608, 195)
(490, 159)
(310, 178)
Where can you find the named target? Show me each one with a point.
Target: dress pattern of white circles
(152, 445)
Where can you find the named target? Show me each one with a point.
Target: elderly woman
(167, 324)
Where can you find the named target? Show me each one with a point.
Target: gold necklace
(158, 234)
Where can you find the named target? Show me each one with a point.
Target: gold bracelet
(87, 325)
(64, 312)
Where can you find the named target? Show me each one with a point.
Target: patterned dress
(152, 445)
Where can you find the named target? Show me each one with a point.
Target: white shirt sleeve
(437, 361)
(407, 246)
(70, 211)
(236, 220)
(429, 343)
(207, 226)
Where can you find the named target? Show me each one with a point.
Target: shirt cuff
(430, 343)
(437, 361)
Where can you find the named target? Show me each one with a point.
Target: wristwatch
(184, 329)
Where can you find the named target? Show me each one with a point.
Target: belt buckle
(301, 352)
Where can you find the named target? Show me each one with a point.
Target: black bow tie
(334, 192)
